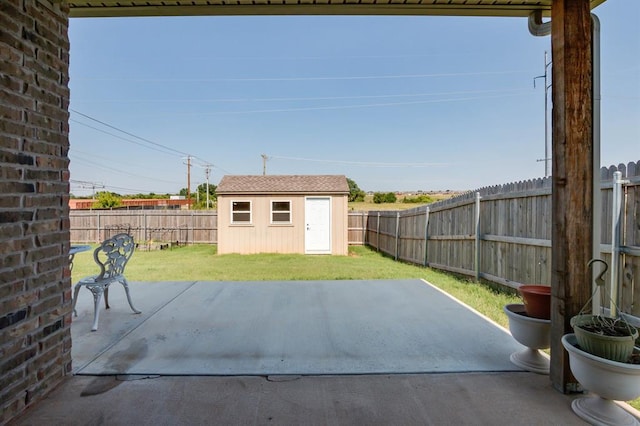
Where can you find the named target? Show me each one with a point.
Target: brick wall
(35, 287)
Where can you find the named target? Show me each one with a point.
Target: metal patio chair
(112, 257)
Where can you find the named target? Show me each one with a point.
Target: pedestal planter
(537, 300)
(534, 333)
(610, 380)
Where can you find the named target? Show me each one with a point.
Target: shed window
(281, 212)
(241, 212)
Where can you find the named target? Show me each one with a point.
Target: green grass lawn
(201, 263)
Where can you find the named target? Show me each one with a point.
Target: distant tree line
(108, 199)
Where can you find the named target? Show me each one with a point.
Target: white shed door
(317, 216)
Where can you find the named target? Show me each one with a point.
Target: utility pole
(547, 86)
(188, 163)
(86, 184)
(264, 164)
(207, 171)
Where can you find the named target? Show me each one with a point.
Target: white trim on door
(317, 224)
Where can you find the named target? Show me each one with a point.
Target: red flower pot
(537, 300)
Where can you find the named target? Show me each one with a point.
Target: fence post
(477, 241)
(397, 233)
(378, 233)
(144, 224)
(616, 202)
(364, 229)
(192, 228)
(426, 235)
(98, 230)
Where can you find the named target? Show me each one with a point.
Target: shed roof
(289, 184)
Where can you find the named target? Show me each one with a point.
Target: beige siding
(339, 225)
(261, 236)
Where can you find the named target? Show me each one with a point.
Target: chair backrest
(113, 254)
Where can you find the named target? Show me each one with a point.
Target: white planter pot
(534, 333)
(610, 380)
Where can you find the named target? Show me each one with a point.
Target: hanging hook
(599, 279)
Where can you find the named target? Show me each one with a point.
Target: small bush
(381, 197)
(418, 199)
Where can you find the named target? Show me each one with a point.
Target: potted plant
(608, 380)
(602, 359)
(607, 337)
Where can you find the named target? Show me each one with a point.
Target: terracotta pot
(537, 300)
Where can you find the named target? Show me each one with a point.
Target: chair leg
(97, 295)
(106, 298)
(125, 284)
(76, 289)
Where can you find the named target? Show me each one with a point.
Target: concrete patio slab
(299, 326)
(291, 328)
(427, 399)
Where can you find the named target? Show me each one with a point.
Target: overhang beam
(97, 8)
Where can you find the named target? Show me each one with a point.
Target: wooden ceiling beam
(102, 8)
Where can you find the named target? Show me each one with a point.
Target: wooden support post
(572, 176)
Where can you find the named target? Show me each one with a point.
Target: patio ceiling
(123, 8)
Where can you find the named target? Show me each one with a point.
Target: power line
(80, 182)
(102, 166)
(120, 137)
(110, 160)
(129, 134)
(314, 98)
(367, 77)
(155, 144)
(362, 163)
(297, 58)
(324, 108)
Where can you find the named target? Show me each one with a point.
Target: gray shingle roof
(270, 184)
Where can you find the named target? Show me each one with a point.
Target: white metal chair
(112, 257)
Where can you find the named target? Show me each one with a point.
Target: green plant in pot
(607, 337)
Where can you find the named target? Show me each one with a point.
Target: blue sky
(395, 103)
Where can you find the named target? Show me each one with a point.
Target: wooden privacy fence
(503, 233)
(147, 226)
(165, 226)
